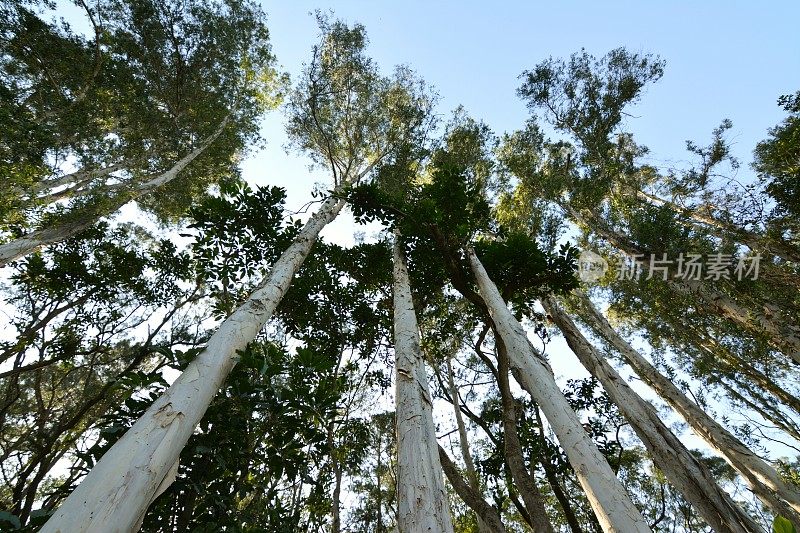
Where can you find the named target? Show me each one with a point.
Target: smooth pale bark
(421, 496)
(472, 474)
(115, 494)
(688, 475)
(523, 479)
(783, 336)
(487, 514)
(22, 246)
(764, 481)
(612, 505)
(74, 180)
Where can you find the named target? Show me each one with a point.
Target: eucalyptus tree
(342, 112)
(601, 184)
(726, 332)
(422, 500)
(443, 215)
(684, 471)
(761, 477)
(611, 503)
(162, 96)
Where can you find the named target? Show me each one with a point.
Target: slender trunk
(607, 496)
(22, 246)
(379, 503)
(740, 366)
(688, 475)
(782, 335)
(761, 477)
(115, 494)
(487, 514)
(472, 474)
(759, 402)
(336, 522)
(421, 495)
(524, 480)
(552, 479)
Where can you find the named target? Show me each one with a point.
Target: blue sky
(724, 60)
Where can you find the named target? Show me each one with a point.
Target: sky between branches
(724, 60)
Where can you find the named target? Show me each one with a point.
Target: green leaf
(5, 516)
(782, 525)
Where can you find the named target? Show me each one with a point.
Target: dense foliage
(302, 434)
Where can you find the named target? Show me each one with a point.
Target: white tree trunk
(115, 494)
(421, 497)
(761, 477)
(612, 505)
(22, 246)
(688, 475)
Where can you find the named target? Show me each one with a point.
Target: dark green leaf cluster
(778, 159)
(439, 218)
(240, 233)
(267, 429)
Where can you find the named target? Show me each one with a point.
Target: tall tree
(341, 82)
(422, 499)
(611, 503)
(689, 476)
(760, 476)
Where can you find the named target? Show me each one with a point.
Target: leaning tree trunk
(765, 482)
(612, 505)
(523, 479)
(552, 477)
(421, 495)
(487, 514)
(688, 475)
(114, 496)
(22, 246)
(703, 219)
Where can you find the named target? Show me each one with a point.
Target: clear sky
(724, 60)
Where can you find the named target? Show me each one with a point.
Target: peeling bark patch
(166, 415)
